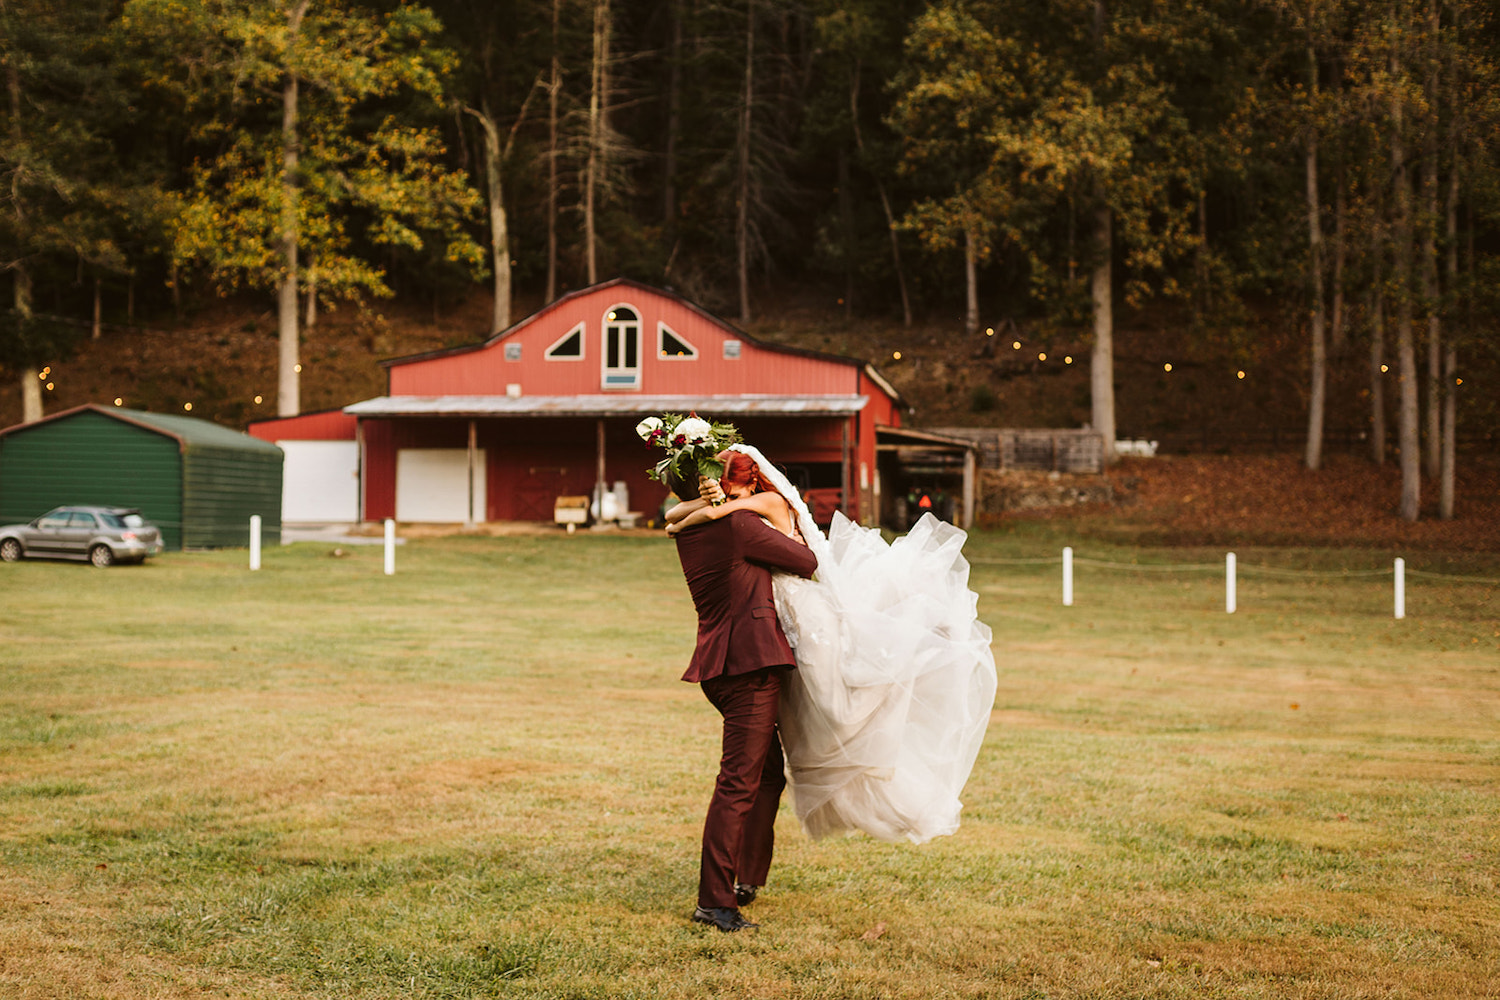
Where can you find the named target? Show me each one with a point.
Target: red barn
(499, 430)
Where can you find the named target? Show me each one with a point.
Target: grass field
(481, 777)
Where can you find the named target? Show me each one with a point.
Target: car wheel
(102, 556)
(10, 550)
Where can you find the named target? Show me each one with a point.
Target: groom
(739, 661)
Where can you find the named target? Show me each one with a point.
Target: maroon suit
(739, 660)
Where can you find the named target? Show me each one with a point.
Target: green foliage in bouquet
(692, 445)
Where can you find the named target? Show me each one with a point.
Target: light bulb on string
(1239, 375)
(119, 401)
(895, 355)
(1384, 369)
(1042, 356)
(1068, 360)
(296, 368)
(1015, 345)
(1167, 367)
(989, 331)
(188, 407)
(257, 400)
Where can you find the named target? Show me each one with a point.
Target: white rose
(648, 426)
(695, 429)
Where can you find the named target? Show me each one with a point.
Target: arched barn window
(622, 349)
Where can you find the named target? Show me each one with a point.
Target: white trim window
(671, 346)
(568, 347)
(621, 354)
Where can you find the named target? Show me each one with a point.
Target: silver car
(100, 535)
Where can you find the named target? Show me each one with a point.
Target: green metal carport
(198, 482)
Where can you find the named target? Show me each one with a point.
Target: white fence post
(1067, 576)
(1400, 587)
(254, 542)
(390, 547)
(1230, 602)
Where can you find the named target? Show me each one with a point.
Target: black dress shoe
(744, 895)
(725, 918)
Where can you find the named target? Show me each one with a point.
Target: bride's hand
(710, 490)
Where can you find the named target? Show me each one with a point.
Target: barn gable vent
(672, 346)
(568, 347)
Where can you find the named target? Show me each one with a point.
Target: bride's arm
(768, 505)
(685, 509)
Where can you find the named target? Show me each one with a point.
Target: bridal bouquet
(692, 445)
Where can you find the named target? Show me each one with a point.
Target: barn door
(432, 485)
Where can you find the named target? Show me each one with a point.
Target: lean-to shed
(195, 480)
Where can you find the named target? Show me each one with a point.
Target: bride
(884, 716)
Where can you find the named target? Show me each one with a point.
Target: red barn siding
(485, 370)
(325, 425)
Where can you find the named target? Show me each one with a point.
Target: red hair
(741, 470)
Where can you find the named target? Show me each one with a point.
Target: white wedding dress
(895, 681)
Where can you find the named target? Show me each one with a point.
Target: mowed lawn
(481, 777)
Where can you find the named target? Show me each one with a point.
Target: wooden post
(473, 453)
(968, 488)
(844, 503)
(599, 472)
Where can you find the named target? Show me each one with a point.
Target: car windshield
(112, 520)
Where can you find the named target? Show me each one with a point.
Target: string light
(896, 356)
(51, 386)
(1384, 369)
(1458, 382)
(1239, 374)
(1042, 356)
(611, 315)
(1068, 360)
(1167, 367)
(119, 401)
(989, 331)
(1016, 345)
(187, 406)
(296, 368)
(257, 400)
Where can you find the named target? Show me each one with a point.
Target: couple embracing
(855, 668)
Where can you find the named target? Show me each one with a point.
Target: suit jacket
(728, 566)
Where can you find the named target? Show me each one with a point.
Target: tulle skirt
(895, 681)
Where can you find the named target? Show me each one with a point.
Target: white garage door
(320, 481)
(432, 484)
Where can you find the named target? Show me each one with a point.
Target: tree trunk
(1317, 400)
(846, 227)
(31, 386)
(499, 226)
(885, 202)
(971, 283)
(1338, 334)
(597, 101)
(311, 291)
(554, 88)
(1446, 469)
(96, 329)
(674, 126)
(742, 185)
(1432, 454)
(1102, 363)
(288, 381)
(1377, 351)
(1401, 254)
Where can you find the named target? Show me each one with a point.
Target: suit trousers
(738, 834)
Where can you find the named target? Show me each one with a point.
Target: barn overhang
(745, 404)
(915, 452)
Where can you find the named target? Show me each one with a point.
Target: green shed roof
(190, 432)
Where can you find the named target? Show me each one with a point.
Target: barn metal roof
(606, 406)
